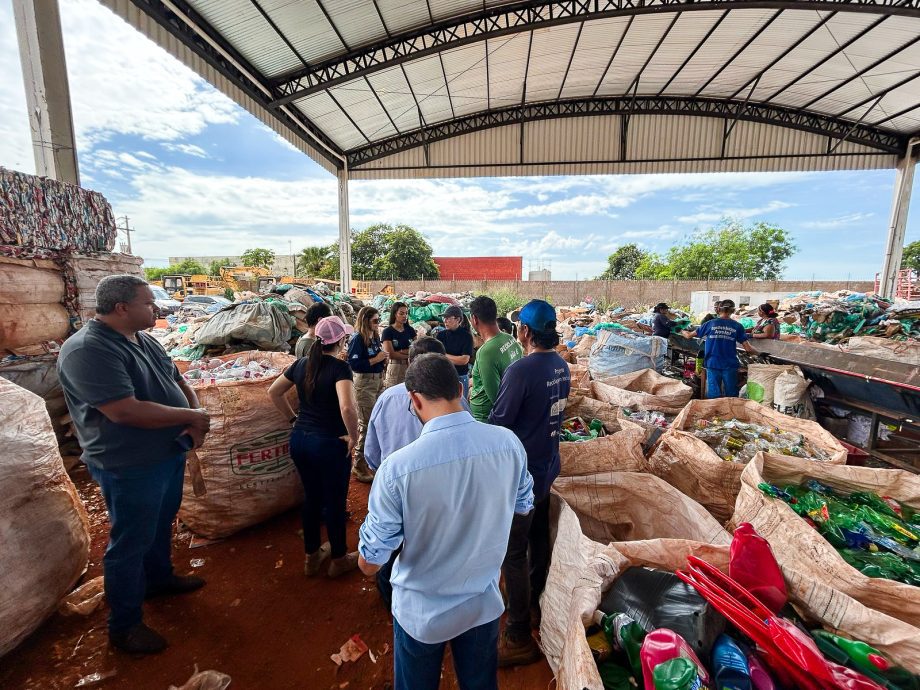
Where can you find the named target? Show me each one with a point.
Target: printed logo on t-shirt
(722, 332)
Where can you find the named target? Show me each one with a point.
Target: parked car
(166, 304)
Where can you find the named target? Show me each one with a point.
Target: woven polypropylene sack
(619, 451)
(623, 352)
(44, 530)
(689, 464)
(761, 381)
(645, 389)
(798, 545)
(245, 461)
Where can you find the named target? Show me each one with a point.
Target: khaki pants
(396, 373)
(367, 390)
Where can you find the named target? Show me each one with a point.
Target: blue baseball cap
(538, 314)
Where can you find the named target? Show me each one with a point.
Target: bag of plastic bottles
(620, 450)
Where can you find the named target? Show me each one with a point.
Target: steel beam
(752, 111)
(344, 233)
(44, 71)
(897, 225)
(527, 16)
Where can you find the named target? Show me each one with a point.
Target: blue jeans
(465, 380)
(142, 502)
(417, 666)
(721, 383)
(325, 469)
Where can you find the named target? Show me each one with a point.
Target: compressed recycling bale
(21, 283)
(245, 461)
(44, 529)
(799, 546)
(689, 464)
(22, 325)
(623, 352)
(645, 389)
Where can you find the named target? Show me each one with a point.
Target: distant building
(480, 267)
(542, 274)
(283, 266)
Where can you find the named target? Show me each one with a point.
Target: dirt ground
(259, 620)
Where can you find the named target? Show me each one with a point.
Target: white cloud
(15, 139)
(838, 222)
(740, 213)
(187, 149)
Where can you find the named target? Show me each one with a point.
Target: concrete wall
(628, 293)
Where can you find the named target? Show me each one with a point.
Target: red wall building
(480, 267)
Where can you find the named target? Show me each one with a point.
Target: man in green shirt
(498, 351)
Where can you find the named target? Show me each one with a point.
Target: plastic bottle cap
(879, 662)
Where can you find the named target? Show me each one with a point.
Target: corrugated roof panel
(445, 9)
(758, 139)
(769, 45)
(572, 139)
(549, 61)
(908, 122)
(427, 81)
(496, 145)
(507, 61)
(360, 103)
(640, 41)
(690, 29)
(839, 29)
(653, 137)
(304, 25)
(394, 91)
(324, 113)
(466, 78)
(402, 15)
(356, 20)
(246, 30)
(732, 34)
(595, 46)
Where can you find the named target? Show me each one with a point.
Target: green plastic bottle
(614, 676)
(625, 635)
(865, 659)
(678, 673)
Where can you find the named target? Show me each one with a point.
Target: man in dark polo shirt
(135, 419)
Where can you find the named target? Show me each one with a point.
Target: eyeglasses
(412, 408)
(375, 320)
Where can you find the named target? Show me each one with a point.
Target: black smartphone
(185, 441)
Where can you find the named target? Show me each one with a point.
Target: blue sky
(198, 175)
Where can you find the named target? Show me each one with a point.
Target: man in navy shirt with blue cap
(530, 402)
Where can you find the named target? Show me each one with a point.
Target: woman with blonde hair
(368, 360)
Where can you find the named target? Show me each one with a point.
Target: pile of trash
(425, 308)
(203, 373)
(736, 441)
(877, 535)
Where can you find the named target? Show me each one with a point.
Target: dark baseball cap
(453, 311)
(538, 314)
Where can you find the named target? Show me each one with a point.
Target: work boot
(138, 639)
(177, 584)
(316, 559)
(517, 652)
(361, 471)
(345, 564)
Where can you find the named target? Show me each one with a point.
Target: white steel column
(903, 185)
(344, 233)
(44, 71)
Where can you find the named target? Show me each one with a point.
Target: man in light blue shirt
(448, 499)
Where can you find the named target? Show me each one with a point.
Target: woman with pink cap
(325, 433)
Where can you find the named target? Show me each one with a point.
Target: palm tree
(311, 260)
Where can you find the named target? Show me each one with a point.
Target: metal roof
(438, 88)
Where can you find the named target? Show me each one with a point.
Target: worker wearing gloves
(498, 351)
(367, 359)
(722, 335)
(530, 402)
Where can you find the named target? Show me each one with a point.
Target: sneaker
(138, 639)
(517, 652)
(362, 472)
(345, 564)
(316, 559)
(177, 584)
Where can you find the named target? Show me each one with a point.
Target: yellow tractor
(242, 278)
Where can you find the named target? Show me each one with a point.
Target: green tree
(911, 256)
(187, 267)
(622, 264)
(653, 267)
(312, 261)
(263, 258)
(215, 266)
(383, 251)
(154, 273)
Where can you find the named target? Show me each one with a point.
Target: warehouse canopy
(448, 88)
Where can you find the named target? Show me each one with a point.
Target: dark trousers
(142, 502)
(325, 469)
(417, 666)
(525, 567)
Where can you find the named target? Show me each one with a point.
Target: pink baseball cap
(331, 330)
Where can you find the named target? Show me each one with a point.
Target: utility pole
(293, 265)
(127, 230)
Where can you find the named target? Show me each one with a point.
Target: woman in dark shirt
(367, 359)
(458, 341)
(662, 325)
(325, 432)
(396, 340)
